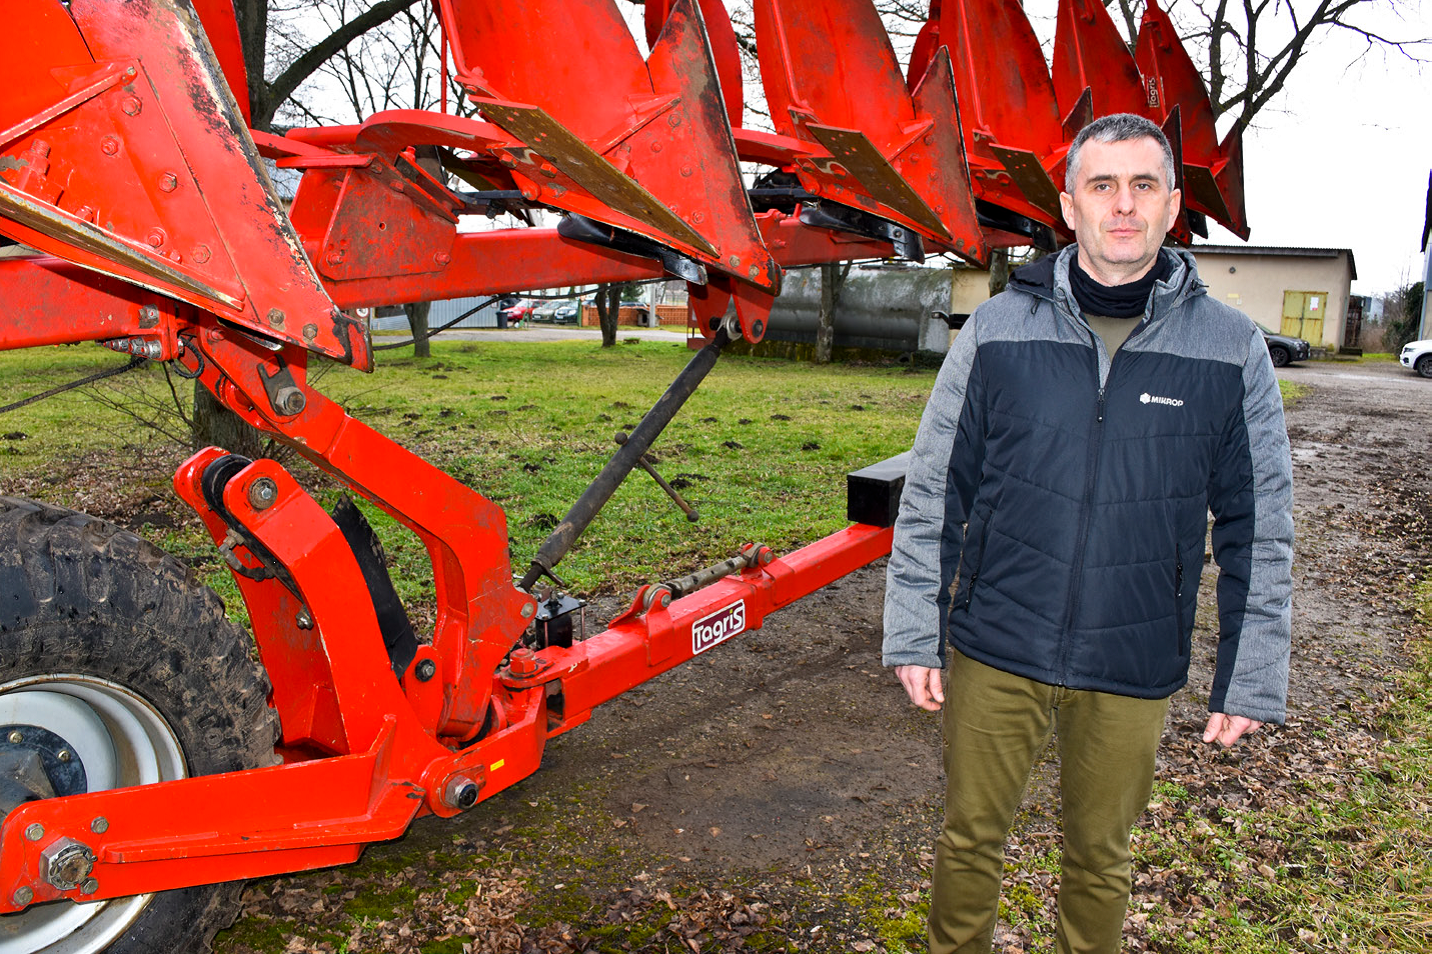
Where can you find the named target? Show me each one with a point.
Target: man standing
(1083, 425)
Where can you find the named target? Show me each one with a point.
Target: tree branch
(283, 85)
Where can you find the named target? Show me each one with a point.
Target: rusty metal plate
(859, 156)
(586, 167)
(104, 247)
(1024, 168)
(1203, 192)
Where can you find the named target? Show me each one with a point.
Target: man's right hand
(925, 686)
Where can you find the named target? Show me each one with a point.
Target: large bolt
(35, 832)
(460, 792)
(425, 670)
(100, 825)
(289, 401)
(155, 237)
(22, 896)
(262, 493)
(168, 182)
(522, 663)
(67, 863)
(276, 317)
(109, 145)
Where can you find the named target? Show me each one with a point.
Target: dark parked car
(1285, 348)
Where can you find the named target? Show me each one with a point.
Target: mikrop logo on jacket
(1147, 398)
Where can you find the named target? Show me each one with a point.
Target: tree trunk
(217, 426)
(998, 270)
(608, 307)
(417, 313)
(832, 280)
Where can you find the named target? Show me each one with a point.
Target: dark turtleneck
(1117, 301)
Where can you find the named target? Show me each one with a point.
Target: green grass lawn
(761, 450)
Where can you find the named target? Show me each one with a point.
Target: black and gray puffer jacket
(1069, 495)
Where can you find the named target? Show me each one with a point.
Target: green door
(1303, 315)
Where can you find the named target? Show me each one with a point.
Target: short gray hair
(1118, 127)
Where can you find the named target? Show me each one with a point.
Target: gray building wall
(443, 312)
(885, 308)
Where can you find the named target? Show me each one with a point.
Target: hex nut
(100, 825)
(289, 400)
(35, 832)
(460, 792)
(23, 896)
(263, 493)
(67, 863)
(425, 670)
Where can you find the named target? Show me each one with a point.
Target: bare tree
(609, 303)
(832, 282)
(291, 40)
(1248, 49)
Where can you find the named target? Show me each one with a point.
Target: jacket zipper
(1071, 609)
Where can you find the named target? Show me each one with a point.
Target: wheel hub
(36, 763)
(64, 735)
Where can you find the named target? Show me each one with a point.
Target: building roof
(1276, 250)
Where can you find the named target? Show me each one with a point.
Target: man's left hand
(1227, 729)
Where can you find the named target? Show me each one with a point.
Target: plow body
(128, 168)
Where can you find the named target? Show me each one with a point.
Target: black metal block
(560, 620)
(872, 494)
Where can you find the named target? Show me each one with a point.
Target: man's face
(1120, 208)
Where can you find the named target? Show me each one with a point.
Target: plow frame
(132, 173)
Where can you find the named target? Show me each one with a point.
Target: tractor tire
(114, 657)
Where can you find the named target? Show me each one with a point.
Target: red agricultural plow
(135, 757)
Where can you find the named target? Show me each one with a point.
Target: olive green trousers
(996, 725)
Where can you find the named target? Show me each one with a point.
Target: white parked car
(1417, 355)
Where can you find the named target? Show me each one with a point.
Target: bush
(1402, 312)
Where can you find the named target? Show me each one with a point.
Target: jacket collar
(1048, 279)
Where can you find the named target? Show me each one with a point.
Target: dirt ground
(780, 792)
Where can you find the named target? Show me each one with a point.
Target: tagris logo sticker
(718, 627)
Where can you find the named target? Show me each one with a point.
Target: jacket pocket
(970, 569)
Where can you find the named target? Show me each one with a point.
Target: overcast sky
(1344, 163)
